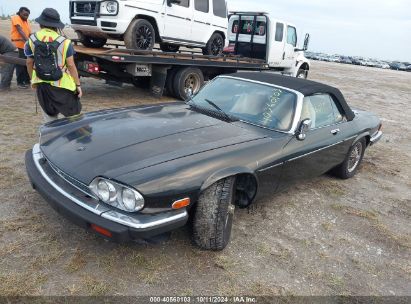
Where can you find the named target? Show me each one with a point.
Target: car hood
(114, 143)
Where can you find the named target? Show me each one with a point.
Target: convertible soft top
(305, 87)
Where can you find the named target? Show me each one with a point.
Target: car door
(201, 21)
(290, 45)
(178, 21)
(326, 143)
(277, 44)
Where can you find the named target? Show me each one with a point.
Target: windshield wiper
(228, 117)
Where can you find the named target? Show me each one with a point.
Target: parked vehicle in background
(346, 60)
(408, 68)
(141, 24)
(355, 60)
(259, 35)
(398, 66)
(383, 65)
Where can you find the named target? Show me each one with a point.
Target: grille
(85, 8)
(71, 180)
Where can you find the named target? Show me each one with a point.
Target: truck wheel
(170, 48)
(187, 82)
(213, 216)
(140, 35)
(91, 42)
(302, 74)
(352, 161)
(215, 45)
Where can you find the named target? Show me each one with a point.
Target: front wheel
(140, 35)
(214, 46)
(352, 161)
(302, 74)
(213, 216)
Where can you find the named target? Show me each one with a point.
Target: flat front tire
(213, 216)
(352, 161)
(140, 35)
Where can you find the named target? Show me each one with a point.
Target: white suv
(141, 23)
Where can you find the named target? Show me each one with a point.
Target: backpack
(46, 58)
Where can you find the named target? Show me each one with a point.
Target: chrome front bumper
(375, 138)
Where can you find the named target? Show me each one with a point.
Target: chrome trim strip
(96, 208)
(143, 222)
(298, 108)
(326, 147)
(271, 167)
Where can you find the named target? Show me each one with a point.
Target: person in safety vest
(20, 32)
(51, 65)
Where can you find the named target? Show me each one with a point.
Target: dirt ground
(322, 237)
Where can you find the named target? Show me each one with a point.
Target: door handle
(335, 131)
(283, 55)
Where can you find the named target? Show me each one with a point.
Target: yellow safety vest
(47, 35)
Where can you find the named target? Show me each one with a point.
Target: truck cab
(258, 35)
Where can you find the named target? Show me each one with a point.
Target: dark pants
(21, 71)
(56, 101)
(7, 70)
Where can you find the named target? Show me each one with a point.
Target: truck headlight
(117, 195)
(109, 8)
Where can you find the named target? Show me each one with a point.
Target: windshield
(259, 104)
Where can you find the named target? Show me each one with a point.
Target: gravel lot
(322, 237)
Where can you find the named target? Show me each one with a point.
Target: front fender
(224, 173)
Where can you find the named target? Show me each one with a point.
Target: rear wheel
(140, 35)
(352, 161)
(170, 48)
(213, 216)
(215, 45)
(187, 82)
(91, 42)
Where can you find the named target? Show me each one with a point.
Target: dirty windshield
(259, 104)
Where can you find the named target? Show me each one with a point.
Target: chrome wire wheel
(355, 157)
(217, 46)
(144, 37)
(192, 84)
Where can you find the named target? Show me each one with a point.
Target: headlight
(117, 195)
(109, 8)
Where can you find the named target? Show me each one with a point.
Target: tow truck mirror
(306, 41)
(171, 2)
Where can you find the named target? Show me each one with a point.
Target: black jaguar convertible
(133, 173)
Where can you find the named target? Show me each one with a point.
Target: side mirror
(306, 41)
(303, 129)
(171, 2)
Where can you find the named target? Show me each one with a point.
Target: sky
(370, 28)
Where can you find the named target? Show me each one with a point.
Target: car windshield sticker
(269, 107)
